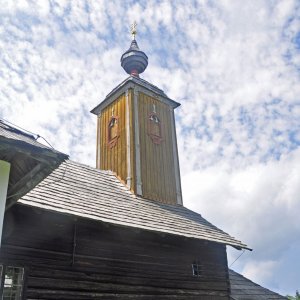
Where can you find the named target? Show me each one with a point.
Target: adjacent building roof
(245, 289)
(11, 136)
(84, 191)
(30, 160)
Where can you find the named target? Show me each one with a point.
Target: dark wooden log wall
(66, 258)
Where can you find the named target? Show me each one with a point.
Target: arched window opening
(113, 131)
(154, 128)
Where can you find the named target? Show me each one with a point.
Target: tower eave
(131, 82)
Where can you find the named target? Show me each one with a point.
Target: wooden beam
(41, 157)
(36, 151)
(26, 183)
(8, 155)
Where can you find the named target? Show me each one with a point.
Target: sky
(233, 65)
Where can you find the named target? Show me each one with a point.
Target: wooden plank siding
(98, 141)
(132, 139)
(157, 160)
(243, 288)
(114, 158)
(83, 191)
(108, 262)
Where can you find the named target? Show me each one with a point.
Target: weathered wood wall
(92, 261)
(113, 158)
(132, 140)
(157, 160)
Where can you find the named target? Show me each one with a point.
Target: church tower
(136, 136)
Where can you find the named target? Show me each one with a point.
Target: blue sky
(234, 67)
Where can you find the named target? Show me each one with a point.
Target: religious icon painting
(113, 131)
(154, 127)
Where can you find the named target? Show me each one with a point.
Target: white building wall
(4, 176)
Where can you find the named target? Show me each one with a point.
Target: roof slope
(84, 191)
(8, 132)
(131, 82)
(245, 289)
(30, 160)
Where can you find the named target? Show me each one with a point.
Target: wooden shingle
(245, 289)
(80, 190)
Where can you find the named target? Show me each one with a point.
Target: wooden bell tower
(136, 136)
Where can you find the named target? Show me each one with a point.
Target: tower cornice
(135, 83)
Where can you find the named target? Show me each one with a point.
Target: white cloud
(233, 65)
(258, 204)
(260, 270)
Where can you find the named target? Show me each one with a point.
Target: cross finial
(133, 30)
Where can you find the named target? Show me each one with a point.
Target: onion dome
(134, 61)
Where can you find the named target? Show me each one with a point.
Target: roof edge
(131, 82)
(46, 207)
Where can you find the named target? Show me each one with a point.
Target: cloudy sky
(233, 65)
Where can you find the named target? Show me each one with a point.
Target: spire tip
(133, 29)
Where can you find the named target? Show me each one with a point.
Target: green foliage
(296, 297)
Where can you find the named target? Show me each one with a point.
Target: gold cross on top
(133, 30)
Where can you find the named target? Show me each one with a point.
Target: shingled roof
(130, 82)
(11, 133)
(13, 138)
(30, 160)
(84, 191)
(245, 289)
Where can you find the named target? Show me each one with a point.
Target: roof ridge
(16, 130)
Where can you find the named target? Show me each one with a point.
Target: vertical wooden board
(169, 182)
(114, 150)
(153, 155)
(132, 139)
(119, 145)
(159, 171)
(170, 158)
(157, 161)
(153, 161)
(122, 145)
(98, 143)
(117, 148)
(142, 140)
(146, 150)
(165, 154)
(120, 151)
(165, 129)
(107, 156)
(114, 158)
(176, 159)
(104, 132)
(147, 160)
(124, 152)
(105, 122)
(103, 136)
